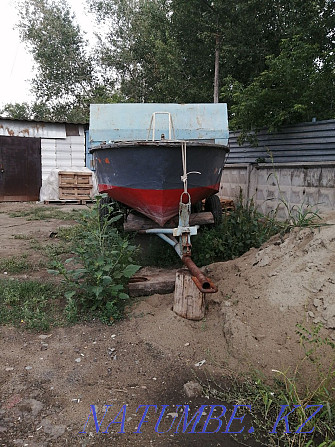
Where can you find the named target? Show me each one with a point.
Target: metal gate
(20, 169)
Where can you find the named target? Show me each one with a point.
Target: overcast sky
(16, 63)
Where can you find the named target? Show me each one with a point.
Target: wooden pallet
(227, 205)
(75, 185)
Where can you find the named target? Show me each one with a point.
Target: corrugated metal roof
(306, 142)
(12, 128)
(39, 129)
(41, 121)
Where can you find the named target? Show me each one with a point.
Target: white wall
(62, 153)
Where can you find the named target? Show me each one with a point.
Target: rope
(184, 159)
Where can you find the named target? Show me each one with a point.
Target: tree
(164, 50)
(298, 80)
(19, 111)
(139, 48)
(297, 86)
(65, 80)
(273, 55)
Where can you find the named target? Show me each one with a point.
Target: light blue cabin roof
(131, 122)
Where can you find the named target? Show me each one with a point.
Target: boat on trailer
(162, 178)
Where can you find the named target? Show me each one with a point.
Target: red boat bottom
(158, 205)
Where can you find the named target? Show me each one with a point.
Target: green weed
(68, 233)
(15, 264)
(241, 229)
(46, 213)
(285, 392)
(100, 267)
(28, 304)
(267, 401)
(298, 216)
(35, 245)
(23, 237)
(52, 251)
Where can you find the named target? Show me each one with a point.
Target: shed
(29, 152)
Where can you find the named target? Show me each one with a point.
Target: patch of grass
(270, 403)
(52, 251)
(28, 304)
(16, 264)
(267, 403)
(35, 244)
(68, 233)
(241, 229)
(24, 237)
(46, 213)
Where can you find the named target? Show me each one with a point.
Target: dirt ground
(49, 381)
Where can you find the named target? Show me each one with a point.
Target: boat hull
(146, 176)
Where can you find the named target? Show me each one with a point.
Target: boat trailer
(183, 245)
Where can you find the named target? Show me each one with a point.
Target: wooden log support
(189, 302)
(136, 222)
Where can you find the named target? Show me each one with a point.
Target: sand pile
(251, 322)
(266, 292)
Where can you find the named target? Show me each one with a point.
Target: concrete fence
(272, 184)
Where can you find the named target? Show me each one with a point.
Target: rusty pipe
(203, 283)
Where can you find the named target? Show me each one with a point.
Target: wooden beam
(189, 302)
(136, 222)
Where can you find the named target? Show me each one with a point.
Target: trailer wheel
(197, 207)
(104, 210)
(110, 208)
(213, 205)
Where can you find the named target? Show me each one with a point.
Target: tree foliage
(297, 86)
(164, 50)
(65, 82)
(19, 111)
(58, 48)
(298, 82)
(139, 48)
(276, 56)
(37, 110)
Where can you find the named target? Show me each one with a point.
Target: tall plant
(100, 268)
(241, 229)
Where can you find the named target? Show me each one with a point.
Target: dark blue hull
(147, 175)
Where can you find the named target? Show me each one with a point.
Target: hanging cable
(184, 159)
